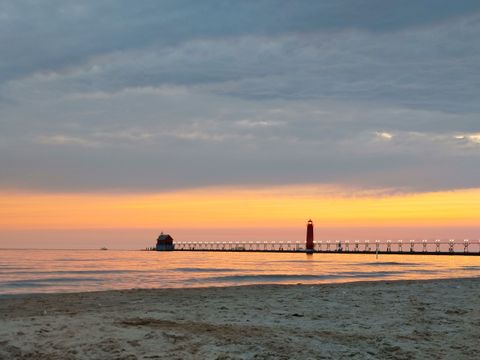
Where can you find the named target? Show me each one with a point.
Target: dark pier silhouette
(412, 247)
(464, 247)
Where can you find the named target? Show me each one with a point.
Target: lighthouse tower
(309, 245)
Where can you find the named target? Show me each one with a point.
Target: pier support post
(367, 245)
(339, 246)
(451, 244)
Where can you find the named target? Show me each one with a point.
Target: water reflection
(29, 271)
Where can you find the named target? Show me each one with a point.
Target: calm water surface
(33, 271)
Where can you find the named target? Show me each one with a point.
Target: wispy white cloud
(62, 139)
(251, 123)
(384, 135)
(129, 134)
(470, 138)
(475, 138)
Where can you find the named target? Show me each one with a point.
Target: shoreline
(299, 284)
(395, 319)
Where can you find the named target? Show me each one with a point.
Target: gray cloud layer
(158, 95)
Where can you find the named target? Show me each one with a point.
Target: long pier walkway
(418, 247)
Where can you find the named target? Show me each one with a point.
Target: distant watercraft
(103, 248)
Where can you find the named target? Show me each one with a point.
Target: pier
(404, 247)
(412, 247)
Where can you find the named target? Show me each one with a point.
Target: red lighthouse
(309, 245)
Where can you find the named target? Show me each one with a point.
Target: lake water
(33, 271)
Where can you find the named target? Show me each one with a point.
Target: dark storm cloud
(115, 95)
(53, 35)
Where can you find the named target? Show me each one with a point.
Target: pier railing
(438, 246)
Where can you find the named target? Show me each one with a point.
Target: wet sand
(432, 319)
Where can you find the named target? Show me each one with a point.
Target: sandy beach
(433, 319)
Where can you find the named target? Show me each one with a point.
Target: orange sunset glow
(235, 208)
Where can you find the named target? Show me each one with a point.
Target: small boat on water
(103, 248)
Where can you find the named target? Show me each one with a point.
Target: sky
(237, 119)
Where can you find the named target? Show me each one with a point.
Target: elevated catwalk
(310, 246)
(413, 247)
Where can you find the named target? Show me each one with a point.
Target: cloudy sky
(144, 97)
